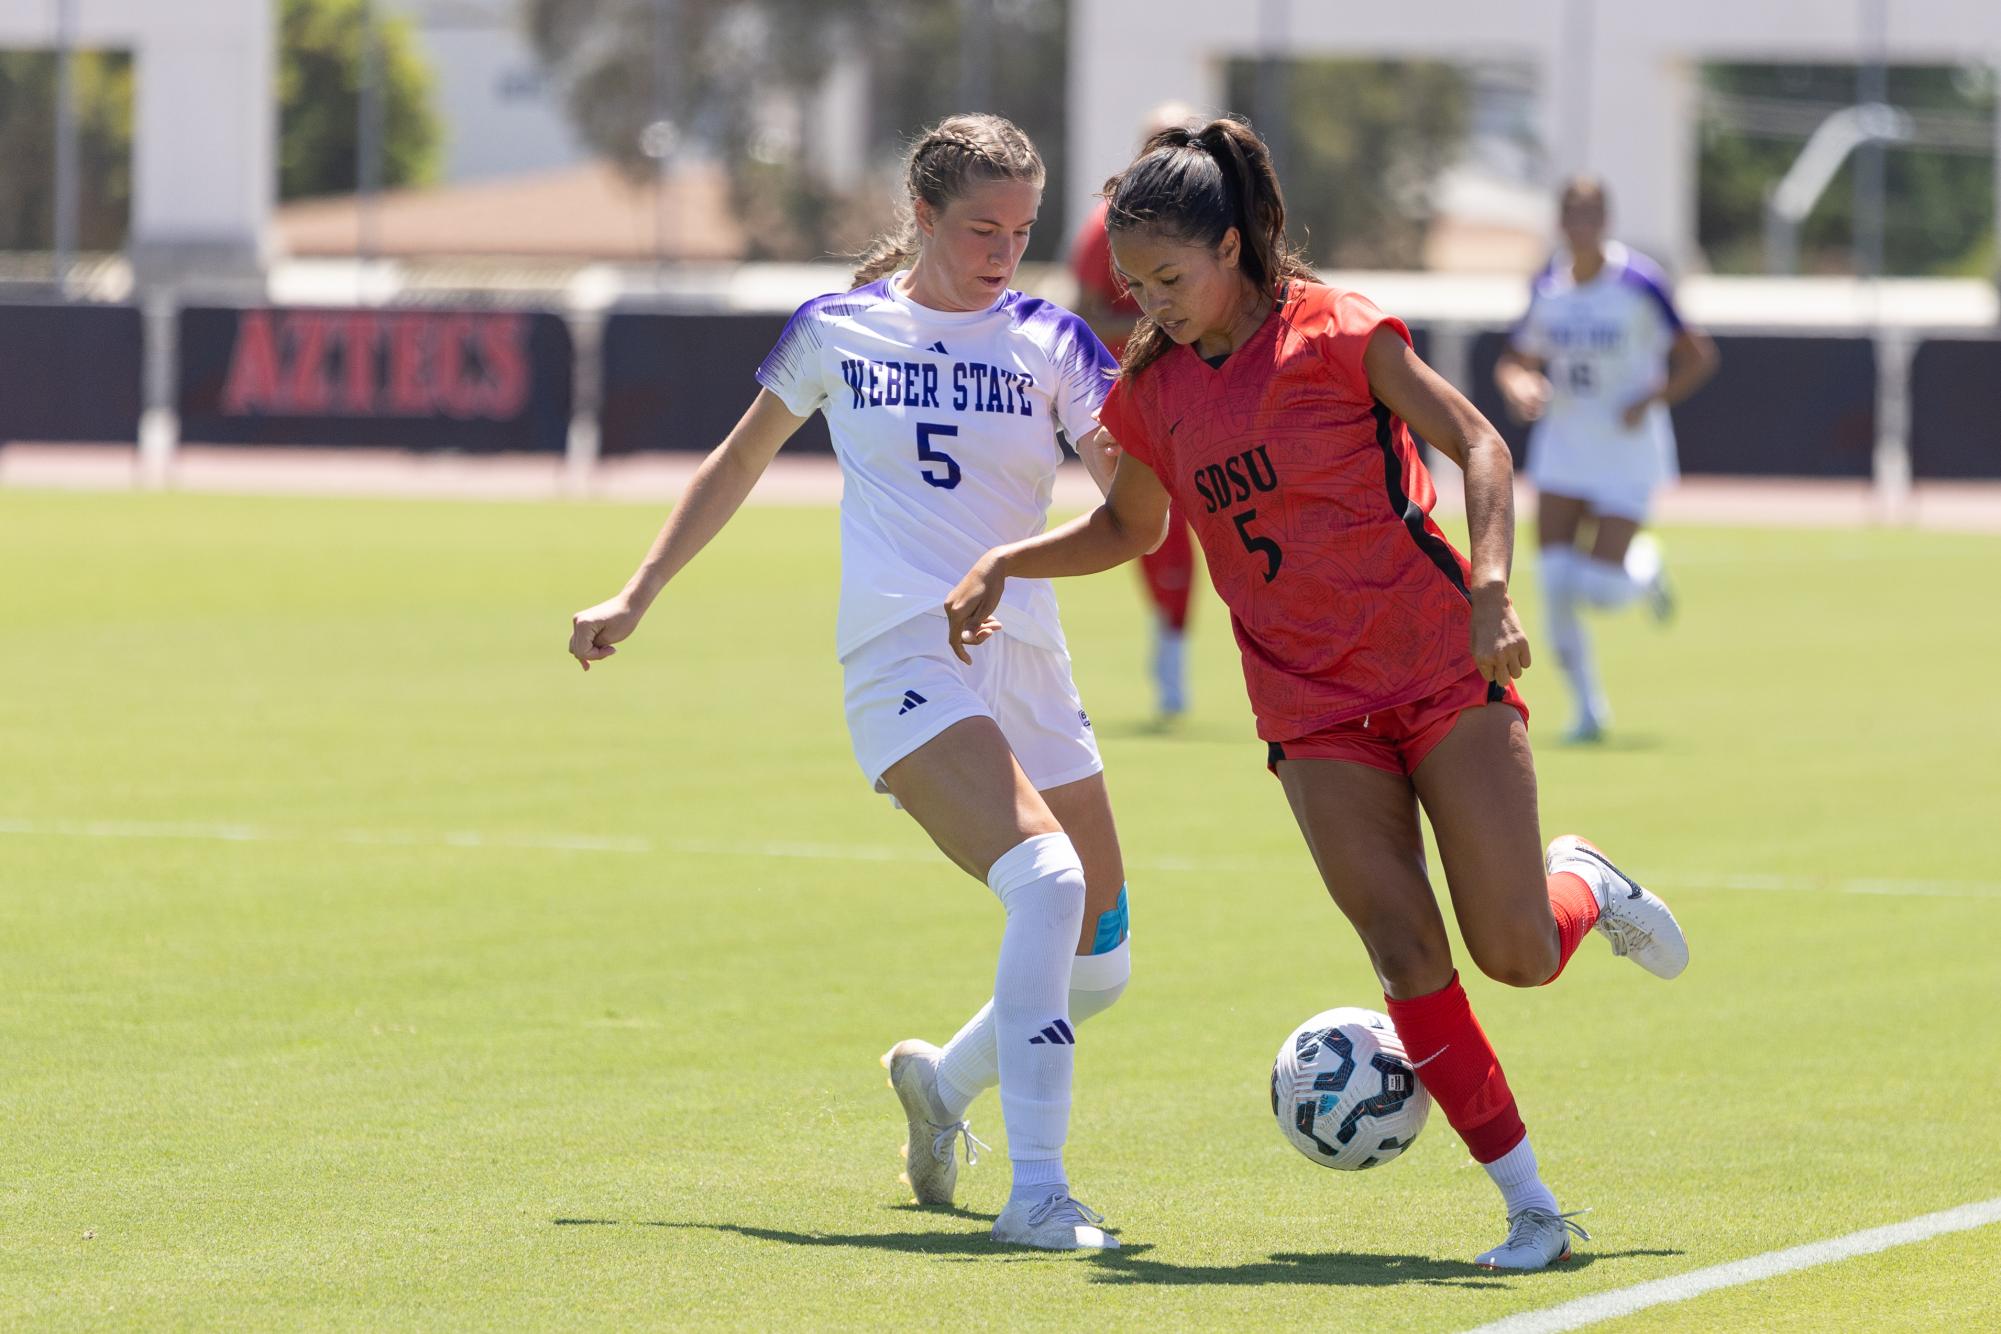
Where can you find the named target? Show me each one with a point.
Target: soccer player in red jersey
(1380, 661)
(1168, 571)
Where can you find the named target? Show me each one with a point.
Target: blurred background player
(1595, 364)
(932, 371)
(1167, 572)
(1380, 662)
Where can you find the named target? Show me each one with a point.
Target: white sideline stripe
(853, 852)
(1659, 1292)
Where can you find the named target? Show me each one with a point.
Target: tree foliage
(727, 75)
(321, 44)
(1939, 205)
(1361, 144)
(319, 79)
(102, 93)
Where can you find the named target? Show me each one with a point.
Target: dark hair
(1582, 187)
(1194, 185)
(946, 159)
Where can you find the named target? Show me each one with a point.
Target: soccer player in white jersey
(944, 391)
(1595, 363)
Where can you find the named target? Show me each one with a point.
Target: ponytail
(1194, 185)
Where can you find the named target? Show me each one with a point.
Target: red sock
(1576, 910)
(1458, 1067)
(1169, 571)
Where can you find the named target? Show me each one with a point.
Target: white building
(205, 148)
(1616, 81)
(499, 114)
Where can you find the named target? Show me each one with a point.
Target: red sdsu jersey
(1314, 513)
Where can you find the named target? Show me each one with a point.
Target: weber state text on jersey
(1314, 512)
(1604, 345)
(945, 425)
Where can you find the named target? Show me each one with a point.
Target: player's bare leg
(1361, 824)
(1478, 786)
(1521, 912)
(965, 788)
(969, 1064)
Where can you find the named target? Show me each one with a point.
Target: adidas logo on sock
(1057, 1034)
(911, 699)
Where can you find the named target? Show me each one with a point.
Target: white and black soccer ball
(1344, 1092)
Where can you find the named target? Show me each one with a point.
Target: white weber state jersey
(1603, 344)
(945, 426)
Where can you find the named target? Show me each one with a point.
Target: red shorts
(1397, 740)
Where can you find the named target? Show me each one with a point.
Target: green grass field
(367, 965)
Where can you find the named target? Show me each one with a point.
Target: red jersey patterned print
(1314, 512)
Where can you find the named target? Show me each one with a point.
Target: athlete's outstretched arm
(719, 486)
(1131, 522)
(1429, 405)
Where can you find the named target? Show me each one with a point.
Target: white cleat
(1537, 1239)
(1057, 1223)
(1634, 919)
(1645, 567)
(1586, 731)
(930, 1169)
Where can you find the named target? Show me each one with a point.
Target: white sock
(968, 1066)
(1521, 1184)
(1170, 667)
(1040, 883)
(1607, 587)
(1559, 566)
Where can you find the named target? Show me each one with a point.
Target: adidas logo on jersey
(911, 699)
(1057, 1034)
(939, 346)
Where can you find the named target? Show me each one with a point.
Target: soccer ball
(1344, 1092)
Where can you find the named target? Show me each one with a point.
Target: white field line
(862, 852)
(1659, 1292)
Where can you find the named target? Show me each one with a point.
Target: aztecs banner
(472, 381)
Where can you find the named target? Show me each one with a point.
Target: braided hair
(947, 158)
(1193, 185)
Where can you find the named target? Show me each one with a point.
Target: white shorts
(1616, 471)
(905, 686)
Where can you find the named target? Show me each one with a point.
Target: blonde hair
(947, 158)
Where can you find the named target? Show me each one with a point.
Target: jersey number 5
(1259, 545)
(950, 478)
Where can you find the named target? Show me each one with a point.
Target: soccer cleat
(1536, 1240)
(930, 1169)
(1634, 919)
(1057, 1223)
(1585, 731)
(1645, 567)
(1660, 598)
